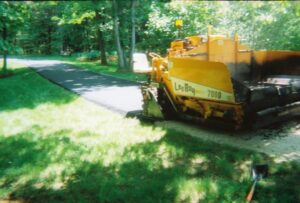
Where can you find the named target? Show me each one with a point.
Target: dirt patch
(281, 142)
(6, 75)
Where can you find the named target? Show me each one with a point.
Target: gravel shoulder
(281, 142)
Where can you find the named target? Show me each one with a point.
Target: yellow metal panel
(195, 40)
(244, 57)
(278, 62)
(177, 45)
(210, 74)
(200, 51)
(267, 56)
(260, 56)
(190, 89)
(222, 50)
(216, 37)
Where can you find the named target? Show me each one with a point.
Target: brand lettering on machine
(185, 88)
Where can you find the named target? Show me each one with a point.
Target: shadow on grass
(26, 89)
(53, 168)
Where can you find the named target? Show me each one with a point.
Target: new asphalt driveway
(115, 94)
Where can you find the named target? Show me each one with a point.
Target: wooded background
(108, 29)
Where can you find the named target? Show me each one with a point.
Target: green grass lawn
(57, 147)
(94, 66)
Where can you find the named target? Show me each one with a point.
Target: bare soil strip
(281, 142)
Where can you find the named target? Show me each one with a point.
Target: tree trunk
(133, 3)
(102, 48)
(49, 32)
(101, 41)
(4, 37)
(121, 55)
(86, 44)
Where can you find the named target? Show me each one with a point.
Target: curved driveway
(116, 94)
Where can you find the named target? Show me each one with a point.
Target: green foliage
(11, 15)
(11, 18)
(72, 27)
(263, 25)
(88, 56)
(41, 35)
(160, 28)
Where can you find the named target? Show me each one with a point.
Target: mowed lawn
(57, 147)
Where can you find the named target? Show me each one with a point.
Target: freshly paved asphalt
(115, 94)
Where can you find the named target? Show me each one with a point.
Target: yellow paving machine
(215, 78)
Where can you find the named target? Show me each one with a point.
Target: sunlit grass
(57, 147)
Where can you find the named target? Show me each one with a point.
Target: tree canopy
(11, 17)
(118, 28)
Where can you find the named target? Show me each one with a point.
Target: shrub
(88, 56)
